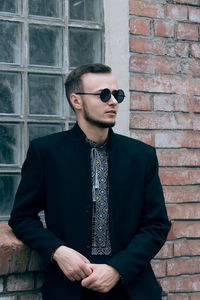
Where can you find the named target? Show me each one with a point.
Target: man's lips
(111, 112)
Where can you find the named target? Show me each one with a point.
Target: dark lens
(119, 95)
(105, 95)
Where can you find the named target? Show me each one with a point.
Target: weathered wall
(165, 112)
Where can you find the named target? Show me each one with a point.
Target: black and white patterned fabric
(100, 214)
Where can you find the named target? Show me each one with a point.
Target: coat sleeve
(29, 201)
(152, 231)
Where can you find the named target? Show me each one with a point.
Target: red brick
(141, 65)
(184, 229)
(186, 247)
(166, 251)
(195, 2)
(145, 137)
(182, 103)
(5, 254)
(161, 121)
(195, 50)
(191, 66)
(194, 15)
(31, 297)
(177, 12)
(183, 266)
(172, 176)
(139, 26)
(187, 32)
(179, 157)
(177, 139)
(21, 282)
(195, 297)
(166, 66)
(146, 8)
(195, 86)
(142, 45)
(178, 297)
(36, 262)
(181, 284)
(163, 28)
(182, 194)
(177, 49)
(196, 122)
(160, 84)
(159, 268)
(21, 252)
(184, 211)
(140, 102)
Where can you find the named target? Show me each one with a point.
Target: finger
(87, 270)
(84, 259)
(82, 274)
(77, 277)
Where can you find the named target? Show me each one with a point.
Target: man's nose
(112, 100)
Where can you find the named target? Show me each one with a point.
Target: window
(41, 40)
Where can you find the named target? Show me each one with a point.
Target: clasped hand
(98, 277)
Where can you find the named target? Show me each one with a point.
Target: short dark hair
(73, 82)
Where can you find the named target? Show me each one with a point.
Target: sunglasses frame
(106, 97)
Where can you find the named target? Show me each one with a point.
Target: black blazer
(56, 178)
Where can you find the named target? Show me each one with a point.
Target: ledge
(15, 257)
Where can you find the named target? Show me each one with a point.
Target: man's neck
(94, 133)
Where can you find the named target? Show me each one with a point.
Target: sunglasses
(105, 95)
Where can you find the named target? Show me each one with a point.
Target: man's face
(94, 111)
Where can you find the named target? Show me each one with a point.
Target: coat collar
(78, 134)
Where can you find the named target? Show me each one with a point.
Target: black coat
(56, 177)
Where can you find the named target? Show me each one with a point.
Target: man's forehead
(95, 79)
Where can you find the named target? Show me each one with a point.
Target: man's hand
(73, 264)
(102, 279)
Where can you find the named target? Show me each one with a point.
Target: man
(103, 202)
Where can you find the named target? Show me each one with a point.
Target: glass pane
(8, 188)
(45, 46)
(10, 93)
(38, 130)
(46, 8)
(10, 45)
(84, 47)
(85, 10)
(46, 94)
(10, 144)
(10, 6)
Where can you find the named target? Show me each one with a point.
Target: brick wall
(165, 113)
(21, 270)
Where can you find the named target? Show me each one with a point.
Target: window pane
(47, 8)
(46, 94)
(85, 10)
(10, 144)
(10, 45)
(84, 47)
(10, 93)
(10, 6)
(38, 130)
(45, 45)
(8, 188)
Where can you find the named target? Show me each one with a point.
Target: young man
(103, 202)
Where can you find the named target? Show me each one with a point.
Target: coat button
(87, 246)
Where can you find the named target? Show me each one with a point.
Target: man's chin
(104, 124)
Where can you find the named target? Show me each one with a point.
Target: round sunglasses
(105, 95)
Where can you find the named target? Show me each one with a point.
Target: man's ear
(76, 101)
